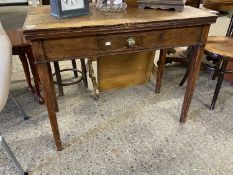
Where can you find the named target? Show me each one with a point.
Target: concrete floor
(128, 131)
(13, 16)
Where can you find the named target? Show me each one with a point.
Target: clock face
(72, 4)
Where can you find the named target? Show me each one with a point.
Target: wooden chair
(218, 48)
(22, 48)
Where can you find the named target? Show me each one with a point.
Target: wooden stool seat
(220, 46)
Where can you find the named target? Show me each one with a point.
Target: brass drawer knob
(131, 42)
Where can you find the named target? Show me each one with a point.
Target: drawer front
(182, 37)
(129, 42)
(60, 49)
(150, 40)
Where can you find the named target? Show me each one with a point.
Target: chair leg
(185, 75)
(84, 72)
(24, 115)
(219, 84)
(216, 73)
(189, 55)
(58, 77)
(11, 155)
(74, 65)
(24, 61)
(161, 64)
(36, 78)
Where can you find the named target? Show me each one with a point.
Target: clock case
(56, 10)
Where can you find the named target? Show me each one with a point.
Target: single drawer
(119, 43)
(59, 49)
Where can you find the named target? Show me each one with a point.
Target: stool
(59, 82)
(22, 48)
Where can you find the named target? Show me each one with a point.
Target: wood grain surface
(120, 71)
(40, 24)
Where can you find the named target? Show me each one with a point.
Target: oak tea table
(102, 34)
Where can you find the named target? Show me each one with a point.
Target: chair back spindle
(230, 28)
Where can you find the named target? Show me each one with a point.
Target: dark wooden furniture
(22, 48)
(193, 3)
(100, 35)
(45, 2)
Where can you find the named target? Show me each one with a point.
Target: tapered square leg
(45, 74)
(193, 75)
(161, 64)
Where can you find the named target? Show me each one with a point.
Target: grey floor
(129, 131)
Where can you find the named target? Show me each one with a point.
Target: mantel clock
(69, 8)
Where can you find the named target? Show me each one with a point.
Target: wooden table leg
(48, 89)
(196, 58)
(162, 60)
(45, 75)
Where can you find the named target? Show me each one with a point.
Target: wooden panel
(93, 46)
(183, 36)
(124, 70)
(68, 48)
(151, 40)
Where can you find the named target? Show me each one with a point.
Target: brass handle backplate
(131, 42)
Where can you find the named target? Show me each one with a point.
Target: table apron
(114, 44)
